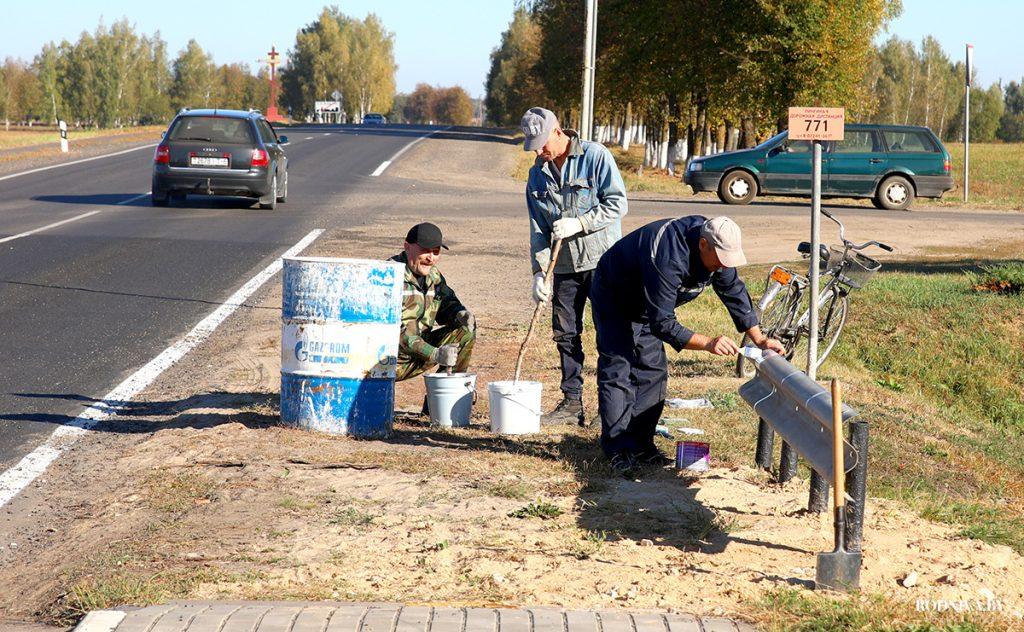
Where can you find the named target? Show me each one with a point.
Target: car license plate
(208, 161)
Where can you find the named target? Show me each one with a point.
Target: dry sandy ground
(195, 491)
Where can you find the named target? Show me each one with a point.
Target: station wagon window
(211, 129)
(908, 141)
(266, 132)
(799, 146)
(855, 142)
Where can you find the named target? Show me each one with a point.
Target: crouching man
(638, 285)
(436, 328)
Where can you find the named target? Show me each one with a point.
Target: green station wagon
(891, 164)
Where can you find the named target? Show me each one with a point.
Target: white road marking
(384, 165)
(379, 170)
(74, 162)
(48, 226)
(308, 138)
(14, 480)
(326, 134)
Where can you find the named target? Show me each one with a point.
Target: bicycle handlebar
(850, 244)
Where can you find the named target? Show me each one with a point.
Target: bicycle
(843, 270)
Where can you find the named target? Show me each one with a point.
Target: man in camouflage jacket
(436, 328)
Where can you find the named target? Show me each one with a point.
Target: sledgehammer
(840, 569)
(548, 278)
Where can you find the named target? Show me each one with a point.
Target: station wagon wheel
(895, 193)
(271, 198)
(283, 197)
(737, 187)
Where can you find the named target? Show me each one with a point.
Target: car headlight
(696, 166)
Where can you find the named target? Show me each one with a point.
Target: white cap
(724, 235)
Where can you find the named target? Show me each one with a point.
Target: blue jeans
(568, 298)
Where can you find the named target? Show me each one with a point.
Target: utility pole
(967, 117)
(589, 56)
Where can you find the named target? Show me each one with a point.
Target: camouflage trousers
(409, 367)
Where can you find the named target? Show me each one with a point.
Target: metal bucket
(339, 344)
(450, 398)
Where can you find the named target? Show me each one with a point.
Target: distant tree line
(688, 77)
(437, 105)
(115, 77)
(339, 53)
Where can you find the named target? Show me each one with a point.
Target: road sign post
(816, 125)
(63, 136)
(967, 116)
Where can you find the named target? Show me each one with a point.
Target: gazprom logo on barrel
(322, 352)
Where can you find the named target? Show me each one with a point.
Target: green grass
(538, 509)
(793, 610)
(1005, 278)
(936, 367)
(995, 175)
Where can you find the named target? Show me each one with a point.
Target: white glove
(541, 293)
(446, 355)
(566, 227)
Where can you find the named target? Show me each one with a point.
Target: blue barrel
(339, 344)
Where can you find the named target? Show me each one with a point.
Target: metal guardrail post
(765, 445)
(787, 463)
(817, 501)
(856, 486)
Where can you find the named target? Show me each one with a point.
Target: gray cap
(724, 235)
(537, 124)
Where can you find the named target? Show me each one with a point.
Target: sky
(446, 42)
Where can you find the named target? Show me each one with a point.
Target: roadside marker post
(815, 124)
(63, 136)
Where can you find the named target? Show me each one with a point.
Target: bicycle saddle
(804, 248)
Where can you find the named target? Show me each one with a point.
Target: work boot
(569, 410)
(624, 464)
(653, 457)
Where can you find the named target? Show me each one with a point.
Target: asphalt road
(85, 303)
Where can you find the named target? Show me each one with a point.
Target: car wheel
(284, 189)
(158, 199)
(895, 193)
(271, 198)
(737, 187)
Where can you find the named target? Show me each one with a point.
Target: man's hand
(446, 355)
(541, 292)
(466, 319)
(722, 346)
(773, 345)
(566, 227)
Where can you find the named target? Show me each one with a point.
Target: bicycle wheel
(777, 318)
(831, 318)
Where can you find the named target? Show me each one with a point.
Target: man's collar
(575, 145)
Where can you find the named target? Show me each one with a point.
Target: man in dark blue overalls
(637, 286)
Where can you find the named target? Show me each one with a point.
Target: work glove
(566, 227)
(446, 355)
(541, 292)
(467, 320)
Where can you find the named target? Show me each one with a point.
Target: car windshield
(212, 129)
(771, 141)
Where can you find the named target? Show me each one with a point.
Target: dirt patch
(196, 491)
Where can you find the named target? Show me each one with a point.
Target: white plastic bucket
(515, 407)
(450, 398)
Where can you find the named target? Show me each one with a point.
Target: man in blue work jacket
(574, 193)
(637, 287)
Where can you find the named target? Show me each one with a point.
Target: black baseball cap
(425, 235)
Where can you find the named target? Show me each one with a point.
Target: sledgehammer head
(838, 570)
